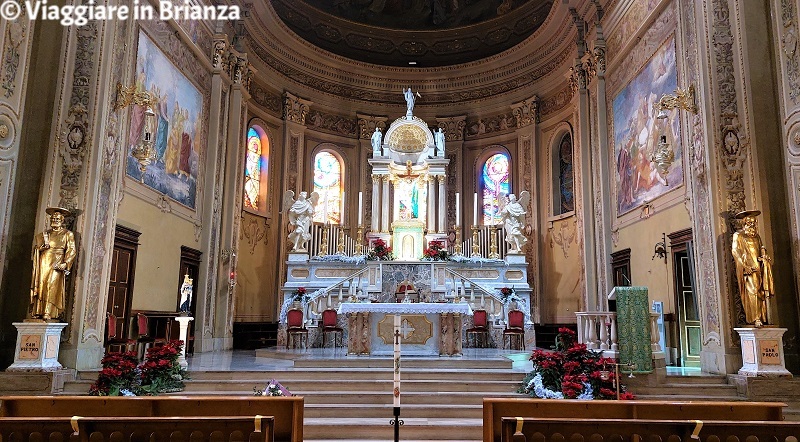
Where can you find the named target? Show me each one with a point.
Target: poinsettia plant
(380, 251)
(119, 375)
(571, 371)
(435, 252)
(159, 373)
(300, 295)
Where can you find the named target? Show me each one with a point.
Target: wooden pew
(287, 411)
(531, 429)
(494, 409)
(135, 429)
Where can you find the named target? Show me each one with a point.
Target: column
(442, 204)
(385, 203)
(431, 203)
(376, 197)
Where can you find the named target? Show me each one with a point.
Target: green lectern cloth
(633, 328)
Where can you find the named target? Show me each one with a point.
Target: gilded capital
(295, 109)
(526, 112)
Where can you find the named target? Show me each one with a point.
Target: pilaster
(453, 128)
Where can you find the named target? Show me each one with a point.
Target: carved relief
(335, 124)
(254, 232)
(526, 112)
(271, 102)
(294, 108)
(367, 125)
(73, 142)
(15, 35)
(496, 123)
(563, 236)
(220, 49)
(557, 102)
(790, 50)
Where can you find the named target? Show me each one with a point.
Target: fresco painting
(174, 171)
(637, 132)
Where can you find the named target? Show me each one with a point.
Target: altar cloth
(421, 308)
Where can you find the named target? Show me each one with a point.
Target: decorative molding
(526, 112)
(335, 124)
(254, 231)
(556, 102)
(220, 49)
(163, 204)
(453, 127)
(790, 48)
(564, 236)
(504, 122)
(74, 139)
(295, 109)
(266, 99)
(368, 123)
(15, 35)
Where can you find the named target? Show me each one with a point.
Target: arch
(494, 179)
(328, 181)
(256, 168)
(562, 171)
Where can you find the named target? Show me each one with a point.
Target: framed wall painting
(179, 107)
(637, 132)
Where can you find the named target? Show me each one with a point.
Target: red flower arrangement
(159, 373)
(435, 252)
(380, 251)
(573, 371)
(119, 375)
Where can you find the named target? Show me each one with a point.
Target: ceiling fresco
(423, 33)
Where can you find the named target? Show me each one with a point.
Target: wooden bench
(494, 409)
(287, 411)
(136, 429)
(541, 429)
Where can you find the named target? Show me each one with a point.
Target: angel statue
(301, 214)
(512, 213)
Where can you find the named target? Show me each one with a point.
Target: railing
(485, 299)
(338, 292)
(484, 241)
(598, 330)
(336, 236)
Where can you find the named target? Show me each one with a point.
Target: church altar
(428, 329)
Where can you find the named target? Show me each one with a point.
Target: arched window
(328, 183)
(495, 178)
(255, 169)
(565, 197)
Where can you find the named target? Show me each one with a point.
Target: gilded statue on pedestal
(753, 269)
(53, 254)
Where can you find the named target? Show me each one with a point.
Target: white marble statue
(377, 140)
(301, 215)
(439, 137)
(512, 213)
(410, 99)
(186, 294)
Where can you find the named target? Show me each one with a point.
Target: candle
(475, 206)
(458, 212)
(341, 210)
(360, 207)
(396, 390)
(325, 209)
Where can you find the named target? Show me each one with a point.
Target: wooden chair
(330, 325)
(515, 331)
(114, 343)
(147, 338)
(294, 327)
(480, 329)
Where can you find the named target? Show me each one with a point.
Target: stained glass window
(566, 180)
(252, 170)
(328, 183)
(495, 180)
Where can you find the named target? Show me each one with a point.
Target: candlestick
(340, 245)
(493, 243)
(323, 245)
(396, 390)
(457, 247)
(458, 209)
(359, 236)
(476, 250)
(360, 207)
(475, 208)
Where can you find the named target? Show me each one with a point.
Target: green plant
(161, 372)
(119, 375)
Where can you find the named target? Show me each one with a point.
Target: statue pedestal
(184, 333)
(762, 352)
(514, 258)
(37, 346)
(298, 257)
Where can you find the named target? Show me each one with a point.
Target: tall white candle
(396, 389)
(341, 209)
(458, 211)
(360, 207)
(325, 209)
(475, 207)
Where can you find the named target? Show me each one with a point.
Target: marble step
(378, 385)
(416, 398)
(697, 390)
(351, 374)
(687, 397)
(704, 379)
(380, 429)
(386, 410)
(429, 363)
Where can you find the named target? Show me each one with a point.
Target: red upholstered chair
(146, 337)
(330, 325)
(116, 343)
(480, 331)
(294, 327)
(515, 331)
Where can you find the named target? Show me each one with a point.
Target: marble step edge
(687, 397)
(377, 421)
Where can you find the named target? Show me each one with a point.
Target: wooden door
(687, 305)
(120, 287)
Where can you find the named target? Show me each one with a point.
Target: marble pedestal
(184, 334)
(762, 352)
(37, 346)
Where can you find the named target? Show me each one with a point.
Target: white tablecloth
(407, 308)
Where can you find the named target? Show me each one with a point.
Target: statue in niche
(53, 255)
(512, 213)
(753, 269)
(377, 141)
(410, 99)
(301, 215)
(439, 138)
(186, 295)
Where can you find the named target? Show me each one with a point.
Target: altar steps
(687, 388)
(380, 428)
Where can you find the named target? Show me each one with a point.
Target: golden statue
(753, 269)
(53, 254)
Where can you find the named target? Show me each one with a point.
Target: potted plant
(435, 252)
(380, 251)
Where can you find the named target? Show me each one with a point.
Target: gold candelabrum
(605, 374)
(681, 99)
(359, 236)
(340, 244)
(457, 246)
(476, 250)
(493, 243)
(143, 151)
(323, 245)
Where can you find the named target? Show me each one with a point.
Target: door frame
(680, 243)
(128, 239)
